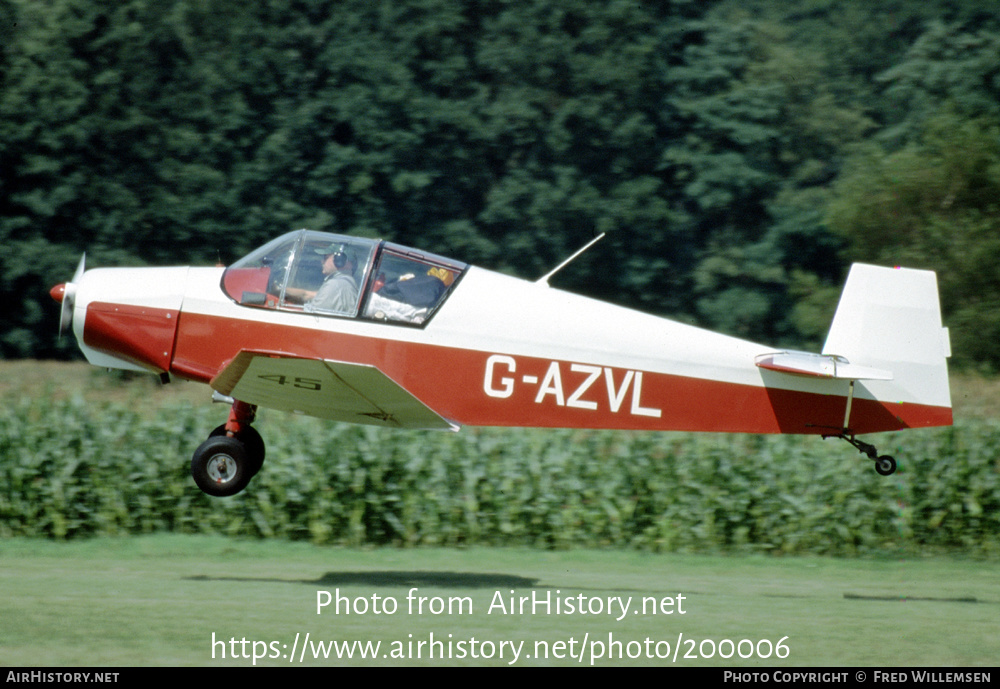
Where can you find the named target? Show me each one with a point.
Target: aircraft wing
(335, 390)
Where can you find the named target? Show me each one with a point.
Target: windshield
(304, 271)
(336, 275)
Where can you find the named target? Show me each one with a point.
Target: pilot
(339, 291)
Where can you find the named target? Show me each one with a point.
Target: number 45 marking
(302, 383)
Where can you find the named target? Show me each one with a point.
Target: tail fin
(890, 318)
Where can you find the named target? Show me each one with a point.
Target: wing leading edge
(334, 390)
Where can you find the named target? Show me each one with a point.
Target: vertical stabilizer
(890, 318)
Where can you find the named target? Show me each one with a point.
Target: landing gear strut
(884, 464)
(233, 454)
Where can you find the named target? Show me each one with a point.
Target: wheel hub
(221, 468)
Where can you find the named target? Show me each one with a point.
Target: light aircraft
(415, 340)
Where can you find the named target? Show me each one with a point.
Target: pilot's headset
(339, 253)
(340, 257)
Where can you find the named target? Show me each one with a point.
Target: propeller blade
(80, 269)
(69, 298)
(66, 312)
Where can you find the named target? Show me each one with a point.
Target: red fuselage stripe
(478, 388)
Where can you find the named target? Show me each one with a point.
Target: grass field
(159, 600)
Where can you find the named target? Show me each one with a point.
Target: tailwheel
(221, 467)
(885, 465)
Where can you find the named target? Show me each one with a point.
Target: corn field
(71, 469)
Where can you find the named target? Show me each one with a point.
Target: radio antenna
(544, 280)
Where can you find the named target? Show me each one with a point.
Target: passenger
(422, 291)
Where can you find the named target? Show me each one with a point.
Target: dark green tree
(935, 204)
(925, 192)
(119, 132)
(758, 132)
(702, 136)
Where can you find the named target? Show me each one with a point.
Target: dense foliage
(739, 153)
(72, 469)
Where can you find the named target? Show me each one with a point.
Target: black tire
(885, 465)
(220, 466)
(253, 444)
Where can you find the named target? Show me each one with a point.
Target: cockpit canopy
(348, 277)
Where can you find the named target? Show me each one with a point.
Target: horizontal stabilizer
(819, 366)
(335, 390)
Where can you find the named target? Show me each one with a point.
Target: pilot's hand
(297, 294)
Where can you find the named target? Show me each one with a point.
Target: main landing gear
(884, 464)
(233, 454)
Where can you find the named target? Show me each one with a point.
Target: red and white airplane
(372, 332)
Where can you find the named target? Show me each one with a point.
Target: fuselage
(498, 351)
